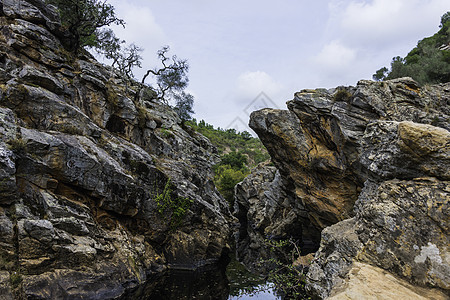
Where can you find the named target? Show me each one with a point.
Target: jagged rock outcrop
(402, 219)
(374, 159)
(316, 144)
(100, 185)
(267, 213)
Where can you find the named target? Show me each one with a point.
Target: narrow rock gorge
(368, 168)
(101, 186)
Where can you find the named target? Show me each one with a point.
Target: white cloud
(251, 84)
(335, 56)
(384, 22)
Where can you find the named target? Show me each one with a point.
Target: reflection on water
(184, 285)
(214, 283)
(245, 285)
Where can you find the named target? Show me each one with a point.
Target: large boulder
(317, 143)
(402, 215)
(370, 166)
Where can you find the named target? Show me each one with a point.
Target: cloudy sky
(240, 49)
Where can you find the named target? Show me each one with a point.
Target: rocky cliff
(267, 212)
(373, 160)
(100, 185)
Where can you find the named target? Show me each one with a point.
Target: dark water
(234, 282)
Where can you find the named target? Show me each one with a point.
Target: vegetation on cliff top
(239, 153)
(428, 62)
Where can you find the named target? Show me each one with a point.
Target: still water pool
(232, 283)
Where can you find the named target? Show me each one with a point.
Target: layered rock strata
(100, 185)
(267, 214)
(374, 159)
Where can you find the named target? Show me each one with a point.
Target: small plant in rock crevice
(15, 279)
(342, 95)
(177, 207)
(287, 278)
(17, 145)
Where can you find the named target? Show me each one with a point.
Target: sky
(249, 54)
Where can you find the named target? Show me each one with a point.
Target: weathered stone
(103, 284)
(71, 225)
(33, 76)
(7, 242)
(367, 282)
(318, 143)
(36, 11)
(5, 286)
(41, 230)
(339, 245)
(8, 134)
(400, 226)
(323, 181)
(384, 145)
(7, 178)
(404, 227)
(406, 150)
(266, 213)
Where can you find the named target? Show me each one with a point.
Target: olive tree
(83, 19)
(171, 80)
(171, 77)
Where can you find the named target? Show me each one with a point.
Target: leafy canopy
(239, 152)
(84, 20)
(428, 62)
(171, 81)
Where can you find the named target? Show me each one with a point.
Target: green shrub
(427, 62)
(226, 178)
(288, 279)
(17, 145)
(342, 95)
(176, 207)
(15, 279)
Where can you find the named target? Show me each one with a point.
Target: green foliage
(15, 279)
(176, 207)
(428, 62)
(171, 77)
(380, 74)
(226, 177)
(444, 19)
(342, 95)
(84, 20)
(228, 140)
(183, 105)
(17, 145)
(235, 160)
(167, 133)
(239, 152)
(126, 59)
(170, 81)
(288, 279)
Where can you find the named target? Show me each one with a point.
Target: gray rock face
(400, 226)
(404, 227)
(373, 160)
(318, 143)
(406, 150)
(401, 223)
(267, 213)
(83, 165)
